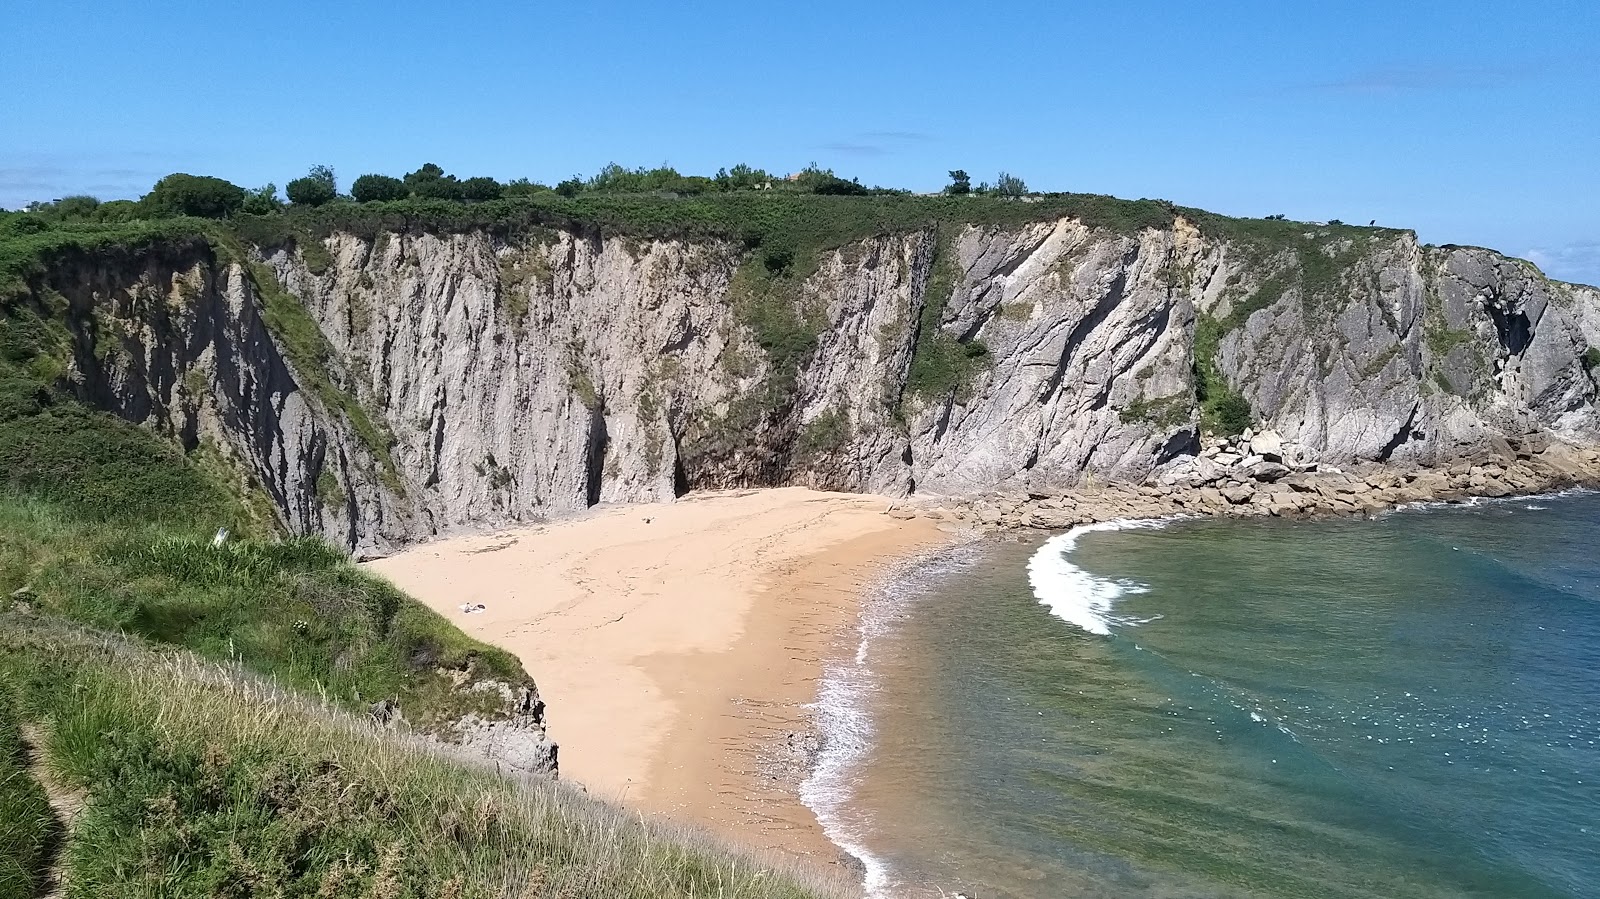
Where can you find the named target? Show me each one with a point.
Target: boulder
(1268, 445)
(1268, 471)
(1238, 495)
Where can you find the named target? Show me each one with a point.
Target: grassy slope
(106, 523)
(203, 781)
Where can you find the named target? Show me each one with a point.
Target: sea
(1401, 707)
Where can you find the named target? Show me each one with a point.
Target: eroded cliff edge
(383, 387)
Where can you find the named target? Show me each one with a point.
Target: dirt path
(65, 803)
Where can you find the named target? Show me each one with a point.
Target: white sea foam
(843, 715)
(1075, 595)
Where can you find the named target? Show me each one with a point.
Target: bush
(839, 187)
(316, 188)
(431, 183)
(479, 189)
(201, 196)
(263, 200)
(378, 188)
(522, 187)
(1591, 358)
(960, 184)
(1230, 414)
(1008, 185)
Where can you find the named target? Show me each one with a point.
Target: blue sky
(1470, 121)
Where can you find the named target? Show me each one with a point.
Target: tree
(741, 177)
(522, 187)
(832, 184)
(377, 188)
(479, 188)
(430, 182)
(1009, 185)
(960, 184)
(80, 206)
(263, 200)
(316, 188)
(570, 187)
(197, 195)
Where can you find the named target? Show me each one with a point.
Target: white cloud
(1578, 262)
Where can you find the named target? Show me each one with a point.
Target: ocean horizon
(1396, 707)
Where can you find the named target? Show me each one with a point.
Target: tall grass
(27, 828)
(206, 781)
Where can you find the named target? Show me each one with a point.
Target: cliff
(382, 385)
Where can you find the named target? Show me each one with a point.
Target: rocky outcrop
(1228, 486)
(473, 379)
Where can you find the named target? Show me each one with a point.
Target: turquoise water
(1407, 707)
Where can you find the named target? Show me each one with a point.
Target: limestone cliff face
(504, 380)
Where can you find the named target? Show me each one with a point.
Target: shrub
(741, 177)
(431, 183)
(838, 187)
(198, 195)
(117, 211)
(960, 184)
(377, 189)
(522, 187)
(479, 189)
(1008, 185)
(1591, 358)
(1230, 414)
(316, 188)
(263, 200)
(76, 207)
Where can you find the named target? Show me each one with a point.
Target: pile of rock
(1261, 474)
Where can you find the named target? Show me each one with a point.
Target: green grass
(27, 256)
(27, 826)
(297, 610)
(1222, 409)
(203, 781)
(795, 221)
(109, 524)
(942, 365)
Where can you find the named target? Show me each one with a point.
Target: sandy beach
(677, 644)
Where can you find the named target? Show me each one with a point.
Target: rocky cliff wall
(467, 379)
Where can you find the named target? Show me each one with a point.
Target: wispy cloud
(854, 149)
(1403, 79)
(1578, 262)
(908, 137)
(26, 177)
(875, 143)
